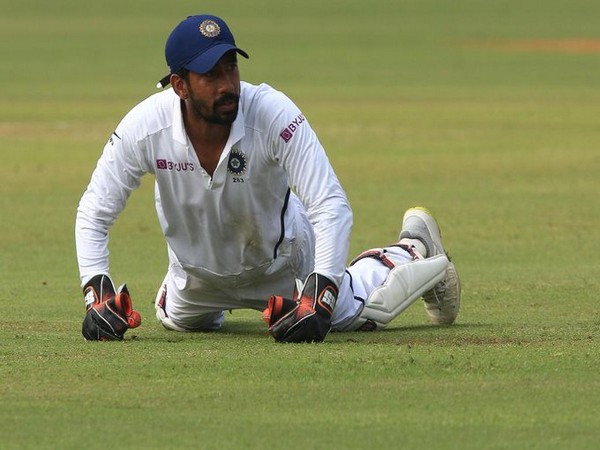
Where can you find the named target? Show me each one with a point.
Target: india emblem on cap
(210, 28)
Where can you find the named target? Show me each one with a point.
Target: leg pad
(404, 284)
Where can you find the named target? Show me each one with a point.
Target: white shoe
(420, 229)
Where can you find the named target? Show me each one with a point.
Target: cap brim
(205, 61)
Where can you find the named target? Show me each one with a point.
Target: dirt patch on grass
(571, 45)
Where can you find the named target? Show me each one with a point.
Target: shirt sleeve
(117, 174)
(313, 180)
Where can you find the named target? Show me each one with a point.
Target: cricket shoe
(420, 230)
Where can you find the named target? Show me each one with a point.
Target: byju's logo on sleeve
(289, 131)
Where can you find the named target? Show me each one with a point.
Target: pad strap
(379, 254)
(412, 251)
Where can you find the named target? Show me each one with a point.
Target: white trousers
(198, 305)
(185, 302)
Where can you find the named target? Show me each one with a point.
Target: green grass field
(487, 112)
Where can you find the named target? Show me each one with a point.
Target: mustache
(226, 98)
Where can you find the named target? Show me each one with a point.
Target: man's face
(214, 96)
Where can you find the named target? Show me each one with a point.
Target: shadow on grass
(461, 334)
(457, 334)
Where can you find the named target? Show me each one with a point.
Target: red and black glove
(109, 314)
(308, 317)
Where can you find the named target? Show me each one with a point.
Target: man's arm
(109, 312)
(313, 180)
(307, 317)
(117, 174)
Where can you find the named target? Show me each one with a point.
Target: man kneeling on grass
(251, 209)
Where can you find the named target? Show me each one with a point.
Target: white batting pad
(404, 284)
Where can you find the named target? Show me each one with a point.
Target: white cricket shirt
(237, 222)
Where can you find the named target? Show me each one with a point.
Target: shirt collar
(179, 134)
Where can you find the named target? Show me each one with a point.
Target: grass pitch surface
(485, 112)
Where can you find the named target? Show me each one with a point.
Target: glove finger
(122, 302)
(277, 308)
(284, 326)
(111, 317)
(94, 329)
(303, 330)
(124, 307)
(310, 329)
(303, 325)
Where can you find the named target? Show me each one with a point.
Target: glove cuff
(97, 290)
(322, 292)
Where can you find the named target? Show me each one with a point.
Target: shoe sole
(446, 311)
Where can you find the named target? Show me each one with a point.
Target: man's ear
(180, 86)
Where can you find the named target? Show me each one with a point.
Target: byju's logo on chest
(165, 164)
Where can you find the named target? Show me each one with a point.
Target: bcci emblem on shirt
(236, 164)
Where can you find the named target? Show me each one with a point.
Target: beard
(223, 112)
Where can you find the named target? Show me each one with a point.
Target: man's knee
(209, 321)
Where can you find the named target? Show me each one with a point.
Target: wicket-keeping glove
(109, 314)
(308, 317)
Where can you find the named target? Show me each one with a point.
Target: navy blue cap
(196, 44)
